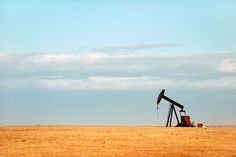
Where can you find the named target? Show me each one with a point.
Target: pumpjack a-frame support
(170, 115)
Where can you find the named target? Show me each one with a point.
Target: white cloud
(135, 47)
(228, 66)
(97, 83)
(135, 83)
(18, 84)
(225, 82)
(67, 58)
(117, 72)
(123, 68)
(3, 56)
(107, 83)
(6, 57)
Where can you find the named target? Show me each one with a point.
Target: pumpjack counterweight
(184, 120)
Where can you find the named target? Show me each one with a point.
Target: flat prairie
(113, 141)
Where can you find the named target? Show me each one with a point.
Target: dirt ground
(106, 141)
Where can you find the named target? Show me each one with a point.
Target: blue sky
(104, 62)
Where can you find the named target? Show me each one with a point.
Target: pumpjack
(184, 119)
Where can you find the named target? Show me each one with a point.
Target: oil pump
(185, 120)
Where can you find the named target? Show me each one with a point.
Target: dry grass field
(102, 141)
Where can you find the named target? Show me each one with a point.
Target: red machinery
(185, 120)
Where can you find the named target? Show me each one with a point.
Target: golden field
(109, 141)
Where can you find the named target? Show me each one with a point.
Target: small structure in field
(184, 119)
